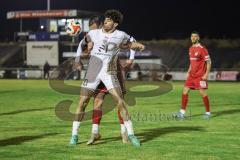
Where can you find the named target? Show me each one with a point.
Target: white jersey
(102, 65)
(79, 50)
(106, 47)
(132, 52)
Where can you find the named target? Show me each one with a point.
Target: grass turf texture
(29, 128)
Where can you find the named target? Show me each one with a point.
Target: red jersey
(198, 55)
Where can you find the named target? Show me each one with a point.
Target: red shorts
(196, 83)
(101, 88)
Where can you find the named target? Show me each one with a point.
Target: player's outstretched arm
(136, 45)
(78, 65)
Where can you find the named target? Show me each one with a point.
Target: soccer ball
(73, 27)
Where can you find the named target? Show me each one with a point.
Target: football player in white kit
(105, 44)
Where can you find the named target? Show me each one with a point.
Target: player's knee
(185, 90)
(120, 102)
(203, 93)
(98, 104)
(84, 100)
(124, 115)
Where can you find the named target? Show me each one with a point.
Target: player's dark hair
(95, 19)
(195, 32)
(114, 15)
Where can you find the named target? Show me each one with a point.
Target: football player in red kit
(197, 75)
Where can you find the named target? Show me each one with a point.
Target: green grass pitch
(29, 128)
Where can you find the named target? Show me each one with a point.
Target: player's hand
(137, 45)
(205, 77)
(90, 46)
(78, 66)
(128, 65)
(141, 47)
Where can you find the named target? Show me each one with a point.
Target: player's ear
(115, 25)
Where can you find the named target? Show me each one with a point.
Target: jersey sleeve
(132, 52)
(79, 52)
(205, 54)
(79, 49)
(126, 38)
(83, 45)
(89, 36)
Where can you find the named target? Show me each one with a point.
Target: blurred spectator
(218, 75)
(154, 75)
(167, 77)
(136, 67)
(46, 69)
(25, 64)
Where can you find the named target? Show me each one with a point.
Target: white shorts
(110, 81)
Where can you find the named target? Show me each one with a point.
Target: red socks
(96, 116)
(120, 117)
(184, 101)
(206, 103)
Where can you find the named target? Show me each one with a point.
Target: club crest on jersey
(196, 53)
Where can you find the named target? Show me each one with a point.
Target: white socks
(75, 128)
(123, 128)
(95, 128)
(208, 113)
(129, 127)
(182, 111)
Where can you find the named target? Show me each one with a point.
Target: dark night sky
(144, 19)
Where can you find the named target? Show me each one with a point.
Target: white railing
(145, 75)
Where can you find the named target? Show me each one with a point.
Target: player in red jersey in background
(197, 75)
